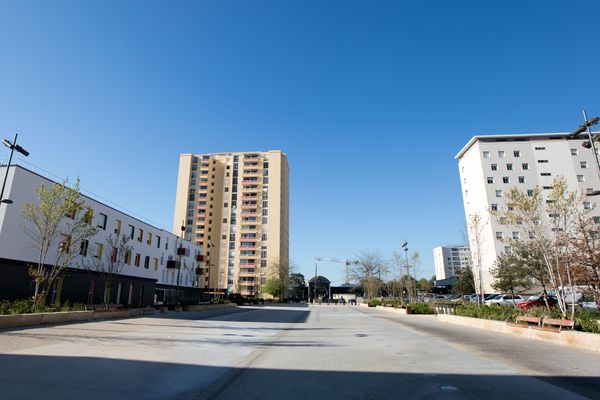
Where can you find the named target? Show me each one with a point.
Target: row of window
(517, 153)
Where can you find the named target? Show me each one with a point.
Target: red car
(537, 302)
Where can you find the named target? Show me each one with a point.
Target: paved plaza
(287, 352)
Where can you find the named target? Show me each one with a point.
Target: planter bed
(17, 320)
(204, 307)
(582, 340)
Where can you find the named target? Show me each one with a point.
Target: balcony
(249, 214)
(250, 182)
(249, 198)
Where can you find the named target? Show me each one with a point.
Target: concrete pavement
(293, 352)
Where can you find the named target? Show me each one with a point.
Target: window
(505, 179)
(83, 249)
(580, 178)
(128, 258)
(149, 241)
(501, 153)
(158, 242)
(147, 262)
(102, 221)
(140, 235)
(509, 167)
(494, 167)
(118, 228)
(486, 154)
(587, 205)
(156, 264)
(545, 174)
(525, 166)
(542, 161)
(264, 236)
(131, 231)
(494, 207)
(589, 190)
(517, 153)
(88, 217)
(574, 152)
(521, 179)
(507, 249)
(540, 148)
(138, 257)
(547, 187)
(498, 193)
(516, 235)
(114, 254)
(490, 180)
(99, 250)
(583, 164)
(499, 235)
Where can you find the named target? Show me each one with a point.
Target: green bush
(23, 306)
(421, 308)
(392, 303)
(587, 321)
(496, 313)
(374, 303)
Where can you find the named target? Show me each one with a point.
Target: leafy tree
(272, 286)
(510, 276)
(425, 285)
(464, 282)
(531, 260)
(297, 278)
(56, 226)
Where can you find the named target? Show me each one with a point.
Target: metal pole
(410, 291)
(591, 139)
(315, 285)
(12, 150)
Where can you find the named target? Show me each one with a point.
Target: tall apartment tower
(449, 260)
(235, 205)
(490, 165)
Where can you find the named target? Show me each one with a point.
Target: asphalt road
(296, 352)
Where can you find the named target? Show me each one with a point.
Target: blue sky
(371, 100)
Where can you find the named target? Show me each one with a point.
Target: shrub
(587, 321)
(421, 308)
(496, 313)
(392, 303)
(23, 306)
(374, 303)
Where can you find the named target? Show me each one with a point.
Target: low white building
(490, 166)
(450, 259)
(150, 270)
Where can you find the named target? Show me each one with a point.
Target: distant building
(151, 269)
(449, 260)
(489, 166)
(235, 206)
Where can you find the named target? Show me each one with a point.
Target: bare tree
(476, 226)
(369, 270)
(278, 275)
(56, 225)
(108, 261)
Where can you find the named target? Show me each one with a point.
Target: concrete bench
(555, 325)
(526, 322)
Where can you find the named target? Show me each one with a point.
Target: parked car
(537, 301)
(505, 300)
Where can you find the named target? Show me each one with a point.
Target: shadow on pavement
(49, 377)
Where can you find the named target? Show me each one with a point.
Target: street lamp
(208, 265)
(12, 146)
(179, 254)
(588, 144)
(410, 291)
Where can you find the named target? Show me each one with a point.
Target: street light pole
(12, 146)
(179, 251)
(586, 127)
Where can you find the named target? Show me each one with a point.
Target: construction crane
(338, 260)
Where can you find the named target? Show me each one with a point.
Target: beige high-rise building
(236, 206)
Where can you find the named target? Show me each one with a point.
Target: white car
(504, 300)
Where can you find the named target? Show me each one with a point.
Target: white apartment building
(490, 165)
(151, 267)
(450, 259)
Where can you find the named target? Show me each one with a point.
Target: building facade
(449, 260)
(491, 165)
(235, 205)
(151, 270)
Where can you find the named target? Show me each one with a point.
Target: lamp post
(179, 254)
(12, 146)
(589, 144)
(411, 291)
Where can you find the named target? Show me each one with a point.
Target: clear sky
(371, 101)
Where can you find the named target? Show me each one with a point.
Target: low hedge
(25, 306)
(421, 308)
(585, 320)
